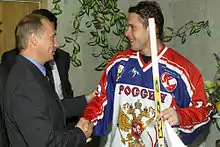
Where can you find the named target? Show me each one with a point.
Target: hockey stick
(155, 69)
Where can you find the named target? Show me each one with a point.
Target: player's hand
(85, 126)
(91, 95)
(171, 116)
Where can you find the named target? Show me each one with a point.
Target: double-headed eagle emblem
(132, 121)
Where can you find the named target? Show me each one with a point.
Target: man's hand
(171, 116)
(91, 95)
(85, 126)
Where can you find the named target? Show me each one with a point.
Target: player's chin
(133, 48)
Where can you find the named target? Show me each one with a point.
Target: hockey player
(124, 106)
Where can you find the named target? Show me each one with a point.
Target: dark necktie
(49, 74)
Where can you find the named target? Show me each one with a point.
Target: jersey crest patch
(169, 82)
(131, 124)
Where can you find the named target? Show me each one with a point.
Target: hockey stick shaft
(155, 69)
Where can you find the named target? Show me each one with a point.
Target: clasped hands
(86, 127)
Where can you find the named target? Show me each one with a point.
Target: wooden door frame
(43, 3)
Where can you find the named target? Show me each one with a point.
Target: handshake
(86, 127)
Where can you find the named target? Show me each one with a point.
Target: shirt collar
(39, 66)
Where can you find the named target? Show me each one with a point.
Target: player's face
(136, 32)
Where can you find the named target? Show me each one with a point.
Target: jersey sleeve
(195, 117)
(191, 102)
(100, 110)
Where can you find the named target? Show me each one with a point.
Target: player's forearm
(95, 109)
(192, 116)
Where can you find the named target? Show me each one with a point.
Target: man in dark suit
(61, 65)
(35, 115)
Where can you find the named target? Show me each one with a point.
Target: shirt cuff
(86, 99)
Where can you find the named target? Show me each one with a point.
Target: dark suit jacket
(3, 134)
(35, 117)
(62, 60)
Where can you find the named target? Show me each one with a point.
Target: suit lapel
(43, 81)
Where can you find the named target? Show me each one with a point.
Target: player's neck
(147, 51)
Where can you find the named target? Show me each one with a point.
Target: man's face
(47, 42)
(136, 32)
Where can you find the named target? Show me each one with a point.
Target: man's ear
(33, 40)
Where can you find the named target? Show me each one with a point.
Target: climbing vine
(56, 10)
(188, 29)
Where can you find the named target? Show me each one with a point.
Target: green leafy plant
(188, 29)
(213, 88)
(104, 19)
(56, 7)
